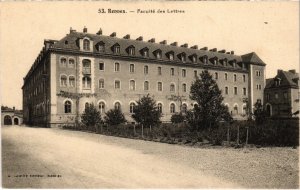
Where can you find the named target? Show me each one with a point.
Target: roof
(73, 36)
(287, 79)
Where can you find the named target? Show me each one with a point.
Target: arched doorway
(7, 120)
(16, 121)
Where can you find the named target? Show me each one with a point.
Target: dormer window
(170, 55)
(225, 62)
(86, 44)
(116, 48)
(234, 63)
(131, 50)
(157, 54)
(101, 47)
(193, 58)
(204, 59)
(182, 57)
(277, 81)
(215, 61)
(145, 52)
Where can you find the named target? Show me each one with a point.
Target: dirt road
(56, 158)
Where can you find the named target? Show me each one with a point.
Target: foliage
(91, 116)
(210, 109)
(146, 112)
(259, 113)
(114, 117)
(177, 118)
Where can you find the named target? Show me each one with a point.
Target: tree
(114, 117)
(177, 118)
(91, 116)
(210, 109)
(146, 112)
(259, 113)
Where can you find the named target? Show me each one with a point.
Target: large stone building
(113, 72)
(282, 94)
(11, 116)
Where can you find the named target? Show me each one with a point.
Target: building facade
(11, 116)
(111, 72)
(282, 94)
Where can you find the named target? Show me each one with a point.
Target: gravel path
(87, 160)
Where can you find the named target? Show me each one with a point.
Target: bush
(114, 117)
(91, 116)
(177, 118)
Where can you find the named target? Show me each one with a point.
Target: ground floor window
(68, 107)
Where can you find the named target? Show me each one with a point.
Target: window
(63, 80)
(267, 96)
(216, 76)
(159, 70)
(205, 60)
(68, 107)
(158, 54)
(183, 57)
(172, 108)
(226, 76)
(226, 90)
(172, 88)
(102, 107)
(116, 49)
(131, 68)
(71, 81)
(117, 106)
(101, 47)
(183, 108)
(194, 58)
(244, 78)
(244, 109)
(86, 64)
(117, 84)
(171, 56)
(159, 86)
(132, 85)
(146, 70)
(236, 110)
(235, 91)
(131, 107)
(146, 85)
(131, 51)
(101, 66)
(258, 87)
(285, 95)
(101, 83)
(234, 77)
(86, 44)
(86, 82)
(244, 91)
(184, 87)
(258, 73)
(145, 53)
(172, 71)
(215, 61)
(183, 73)
(63, 62)
(117, 67)
(71, 63)
(159, 107)
(195, 73)
(276, 95)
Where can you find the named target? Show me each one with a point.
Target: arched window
(117, 67)
(68, 107)
(226, 76)
(146, 85)
(71, 81)
(131, 107)
(117, 84)
(244, 109)
(131, 68)
(63, 62)
(117, 106)
(226, 90)
(183, 108)
(86, 66)
(63, 80)
(159, 86)
(86, 105)
(146, 70)
(172, 108)
(159, 107)
(101, 83)
(101, 47)
(236, 110)
(172, 88)
(132, 85)
(86, 82)
(216, 75)
(86, 44)
(184, 87)
(71, 63)
(102, 107)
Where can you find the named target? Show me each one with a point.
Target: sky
(271, 29)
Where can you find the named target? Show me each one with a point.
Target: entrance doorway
(7, 120)
(16, 121)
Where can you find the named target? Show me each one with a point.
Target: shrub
(114, 117)
(177, 118)
(91, 117)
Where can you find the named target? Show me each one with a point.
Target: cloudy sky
(271, 29)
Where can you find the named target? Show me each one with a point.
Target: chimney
(113, 34)
(84, 30)
(204, 48)
(14, 108)
(174, 44)
(99, 32)
(152, 40)
(232, 52)
(163, 42)
(140, 38)
(292, 71)
(222, 51)
(228, 52)
(185, 45)
(194, 47)
(127, 36)
(213, 49)
(71, 30)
